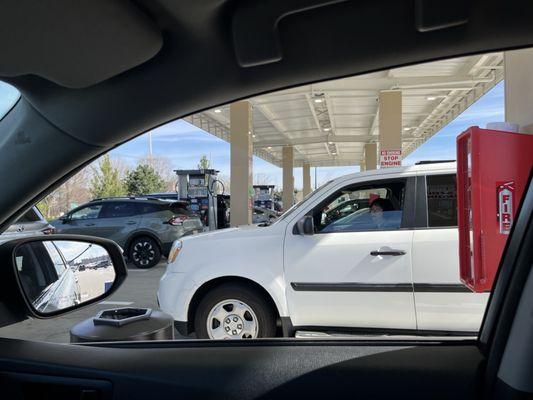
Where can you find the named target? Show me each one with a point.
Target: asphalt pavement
(139, 290)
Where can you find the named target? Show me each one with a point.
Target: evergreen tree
(106, 180)
(143, 180)
(204, 162)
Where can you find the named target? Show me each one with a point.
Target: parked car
(32, 222)
(367, 270)
(144, 228)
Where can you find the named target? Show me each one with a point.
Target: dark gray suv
(144, 228)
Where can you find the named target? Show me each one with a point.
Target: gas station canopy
(329, 123)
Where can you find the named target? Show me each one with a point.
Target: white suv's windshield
(304, 201)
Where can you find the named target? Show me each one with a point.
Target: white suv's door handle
(391, 252)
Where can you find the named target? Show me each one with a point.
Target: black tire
(144, 252)
(266, 317)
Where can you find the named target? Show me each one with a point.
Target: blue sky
(183, 143)
(489, 108)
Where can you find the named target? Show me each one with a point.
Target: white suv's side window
(441, 200)
(367, 207)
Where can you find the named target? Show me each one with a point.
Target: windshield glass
(297, 206)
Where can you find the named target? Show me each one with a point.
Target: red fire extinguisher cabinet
(493, 168)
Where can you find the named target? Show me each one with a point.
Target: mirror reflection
(57, 274)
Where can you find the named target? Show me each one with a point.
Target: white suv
(387, 262)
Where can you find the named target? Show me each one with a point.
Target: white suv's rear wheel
(234, 311)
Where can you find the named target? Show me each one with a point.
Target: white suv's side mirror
(305, 226)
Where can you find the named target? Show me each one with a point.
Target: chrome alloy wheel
(232, 319)
(143, 253)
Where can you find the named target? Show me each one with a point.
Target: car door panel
(82, 221)
(442, 302)
(353, 279)
(316, 370)
(117, 220)
(80, 227)
(350, 287)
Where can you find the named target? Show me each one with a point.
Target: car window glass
(306, 199)
(362, 208)
(329, 279)
(441, 200)
(119, 210)
(56, 258)
(8, 97)
(29, 216)
(89, 212)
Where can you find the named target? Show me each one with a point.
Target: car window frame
(71, 213)
(102, 213)
(421, 218)
(406, 220)
(51, 248)
(427, 202)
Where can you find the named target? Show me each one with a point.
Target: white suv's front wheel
(234, 311)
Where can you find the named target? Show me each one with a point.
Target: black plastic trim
(385, 331)
(182, 327)
(508, 286)
(255, 28)
(287, 328)
(351, 287)
(421, 215)
(378, 287)
(441, 287)
(409, 204)
(11, 278)
(293, 342)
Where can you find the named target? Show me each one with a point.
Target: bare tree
(163, 166)
(226, 182)
(73, 192)
(263, 179)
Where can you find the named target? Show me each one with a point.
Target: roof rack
(433, 162)
(124, 198)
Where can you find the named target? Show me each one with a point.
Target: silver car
(144, 228)
(30, 223)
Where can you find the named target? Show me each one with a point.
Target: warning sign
(390, 158)
(505, 192)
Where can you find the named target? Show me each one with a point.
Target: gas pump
(264, 196)
(196, 188)
(493, 168)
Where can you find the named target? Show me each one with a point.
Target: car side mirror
(65, 218)
(305, 226)
(54, 275)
